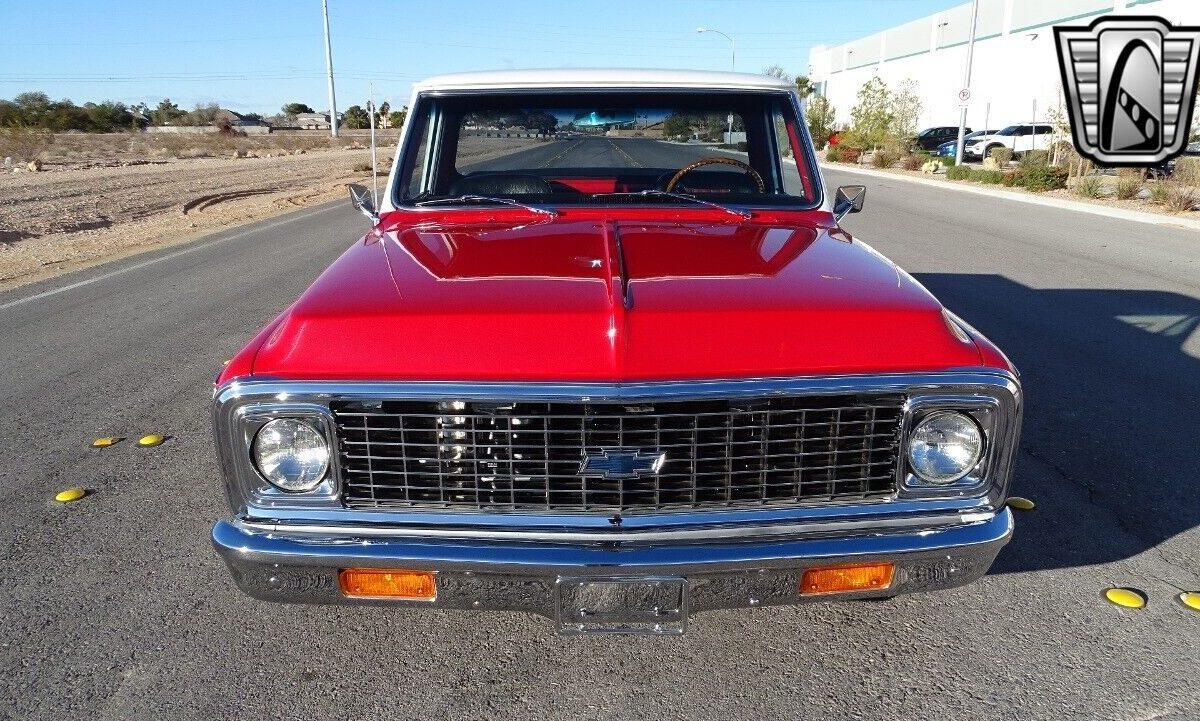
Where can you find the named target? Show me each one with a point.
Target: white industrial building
(1015, 76)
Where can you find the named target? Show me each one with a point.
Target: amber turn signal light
(388, 583)
(840, 579)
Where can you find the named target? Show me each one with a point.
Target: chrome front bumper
(273, 565)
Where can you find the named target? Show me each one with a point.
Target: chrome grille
(528, 456)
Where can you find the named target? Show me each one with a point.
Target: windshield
(1010, 130)
(607, 148)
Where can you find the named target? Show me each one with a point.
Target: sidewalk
(1135, 216)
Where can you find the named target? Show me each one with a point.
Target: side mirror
(848, 199)
(360, 197)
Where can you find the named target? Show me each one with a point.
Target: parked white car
(1019, 138)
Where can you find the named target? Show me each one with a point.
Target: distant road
(605, 152)
(600, 152)
(115, 607)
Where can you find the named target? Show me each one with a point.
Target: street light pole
(732, 45)
(962, 113)
(333, 123)
(732, 67)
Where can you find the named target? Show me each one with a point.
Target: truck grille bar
(617, 457)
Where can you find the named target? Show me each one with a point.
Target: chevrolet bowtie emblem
(621, 463)
(1130, 84)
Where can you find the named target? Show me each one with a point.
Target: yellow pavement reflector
(71, 494)
(151, 440)
(1125, 597)
(1190, 599)
(105, 442)
(1021, 504)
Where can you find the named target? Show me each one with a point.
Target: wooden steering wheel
(717, 160)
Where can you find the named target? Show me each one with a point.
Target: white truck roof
(584, 78)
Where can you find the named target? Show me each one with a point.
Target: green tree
(397, 117)
(871, 117)
(166, 113)
(201, 115)
(677, 125)
(65, 115)
(294, 109)
(381, 114)
(541, 121)
(906, 110)
(820, 115)
(108, 117)
(10, 114)
(356, 118)
(33, 108)
(804, 86)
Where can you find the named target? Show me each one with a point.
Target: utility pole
(962, 113)
(374, 161)
(333, 120)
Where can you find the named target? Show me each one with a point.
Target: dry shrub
(1034, 158)
(24, 144)
(1187, 171)
(1089, 186)
(884, 158)
(1128, 186)
(1062, 153)
(1159, 192)
(913, 161)
(1001, 155)
(1180, 198)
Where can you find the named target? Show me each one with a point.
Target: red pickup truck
(606, 355)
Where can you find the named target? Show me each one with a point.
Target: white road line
(168, 256)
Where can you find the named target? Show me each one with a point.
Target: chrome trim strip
(791, 530)
(241, 548)
(285, 390)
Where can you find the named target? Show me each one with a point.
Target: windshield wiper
(744, 215)
(487, 199)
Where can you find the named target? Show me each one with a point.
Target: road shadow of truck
(1111, 443)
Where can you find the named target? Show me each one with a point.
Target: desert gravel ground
(93, 209)
(52, 222)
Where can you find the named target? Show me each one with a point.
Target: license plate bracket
(645, 605)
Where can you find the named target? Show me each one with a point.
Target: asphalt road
(600, 152)
(116, 607)
(627, 153)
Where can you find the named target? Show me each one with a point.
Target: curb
(1134, 216)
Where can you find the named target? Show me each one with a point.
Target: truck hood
(546, 301)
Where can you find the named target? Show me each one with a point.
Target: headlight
(944, 447)
(291, 454)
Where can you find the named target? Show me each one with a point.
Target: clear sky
(256, 55)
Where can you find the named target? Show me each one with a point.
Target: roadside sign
(964, 97)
